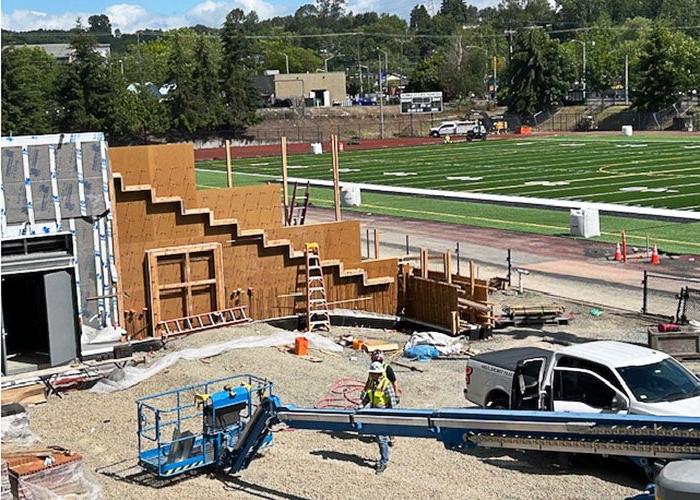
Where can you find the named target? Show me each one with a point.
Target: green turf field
(670, 236)
(646, 170)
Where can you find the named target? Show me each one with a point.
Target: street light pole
(325, 63)
(286, 61)
(627, 95)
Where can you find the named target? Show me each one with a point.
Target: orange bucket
(301, 346)
(357, 344)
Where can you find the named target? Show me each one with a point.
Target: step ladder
(317, 313)
(204, 321)
(296, 214)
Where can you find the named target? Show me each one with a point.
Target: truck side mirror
(619, 402)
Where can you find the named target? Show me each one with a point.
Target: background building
(310, 89)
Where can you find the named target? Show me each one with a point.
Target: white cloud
(129, 17)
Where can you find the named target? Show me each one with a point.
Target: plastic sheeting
(65, 482)
(120, 379)
(15, 430)
(104, 335)
(444, 344)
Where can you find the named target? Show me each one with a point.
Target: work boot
(380, 468)
(391, 441)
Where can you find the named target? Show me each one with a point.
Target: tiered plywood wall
(263, 266)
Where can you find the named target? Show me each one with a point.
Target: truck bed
(508, 358)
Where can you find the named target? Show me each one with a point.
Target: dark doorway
(39, 320)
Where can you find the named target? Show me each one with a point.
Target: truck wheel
(434, 134)
(497, 403)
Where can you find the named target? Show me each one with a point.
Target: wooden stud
(448, 266)
(336, 177)
(284, 174)
(219, 277)
(153, 291)
(117, 261)
(229, 173)
(376, 243)
(472, 277)
(424, 263)
(188, 284)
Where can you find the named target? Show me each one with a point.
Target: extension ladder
(203, 321)
(317, 314)
(296, 215)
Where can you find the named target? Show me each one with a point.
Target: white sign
(421, 102)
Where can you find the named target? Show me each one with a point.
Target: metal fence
(670, 296)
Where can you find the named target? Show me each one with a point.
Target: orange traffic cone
(618, 253)
(655, 259)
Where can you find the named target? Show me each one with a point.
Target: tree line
(193, 82)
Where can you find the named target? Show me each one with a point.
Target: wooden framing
(229, 173)
(336, 177)
(376, 243)
(285, 181)
(187, 283)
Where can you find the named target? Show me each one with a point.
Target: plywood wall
(155, 196)
(430, 301)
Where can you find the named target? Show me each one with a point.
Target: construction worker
(379, 394)
(378, 355)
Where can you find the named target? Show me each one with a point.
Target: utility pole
(583, 75)
(286, 61)
(627, 95)
(495, 75)
(381, 98)
(510, 43)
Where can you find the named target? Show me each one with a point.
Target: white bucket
(316, 148)
(627, 130)
(350, 195)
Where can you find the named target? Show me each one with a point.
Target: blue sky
(131, 15)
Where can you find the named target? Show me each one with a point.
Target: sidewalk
(565, 267)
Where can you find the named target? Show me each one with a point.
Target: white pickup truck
(595, 377)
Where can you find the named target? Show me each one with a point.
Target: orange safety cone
(655, 259)
(618, 253)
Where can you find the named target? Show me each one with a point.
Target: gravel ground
(305, 464)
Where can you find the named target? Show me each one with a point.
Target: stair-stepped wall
(263, 267)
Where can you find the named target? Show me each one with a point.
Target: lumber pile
(552, 314)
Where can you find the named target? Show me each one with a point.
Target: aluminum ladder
(296, 215)
(317, 313)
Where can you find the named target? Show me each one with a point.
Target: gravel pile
(304, 464)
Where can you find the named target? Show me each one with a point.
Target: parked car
(471, 129)
(597, 377)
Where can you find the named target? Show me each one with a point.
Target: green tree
(538, 74)
(138, 113)
(240, 97)
(301, 60)
(184, 101)
(426, 75)
(459, 11)
(419, 18)
(668, 65)
(463, 69)
(84, 91)
(28, 79)
(100, 24)
(206, 79)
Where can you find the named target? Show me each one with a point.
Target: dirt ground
(306, 464)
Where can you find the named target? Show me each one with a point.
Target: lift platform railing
(172, 437)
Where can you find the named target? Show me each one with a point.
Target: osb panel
(253, 275)
(337, 240)
(431, 302)
(132, 162)
(202, 266)
(171, 269)
(172, 168)
(203, 299)
(172, 304)
(254, 207)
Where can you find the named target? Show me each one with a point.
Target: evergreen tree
(28, 80)
(537, 75)
(419, 19)
(240, 97)
(84, 90)
(206, 82)
(184, 101)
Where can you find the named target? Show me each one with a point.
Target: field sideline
(644, 171)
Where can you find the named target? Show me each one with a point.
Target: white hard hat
(376, 367)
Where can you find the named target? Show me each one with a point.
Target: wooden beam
(229, 173)
(336, 177)
(376, 243)
(284, 175)
(154, 294)
(188, 279)
(219, 277)
(472, 277)
(474, 305)
(188, 285)
(448, 266)
(424, 263)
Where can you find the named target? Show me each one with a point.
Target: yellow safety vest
(377, 395)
